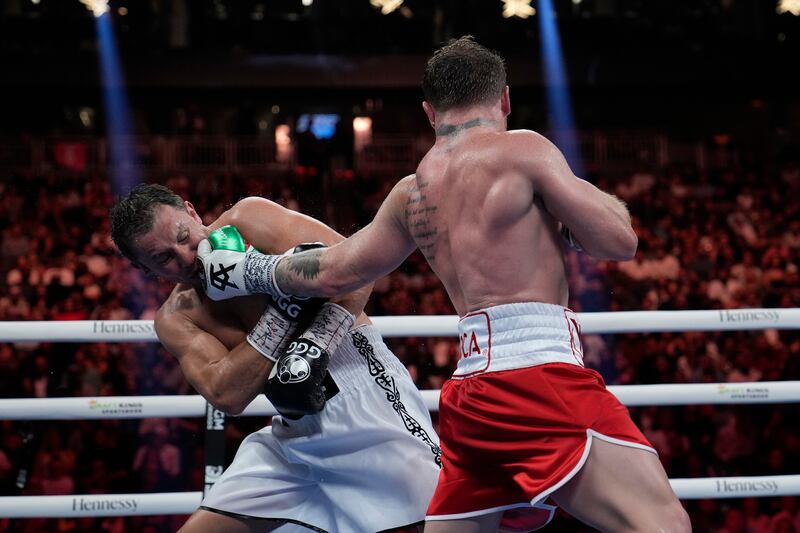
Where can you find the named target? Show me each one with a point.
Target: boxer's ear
(428, 108)
(505, 102)
(192, 212)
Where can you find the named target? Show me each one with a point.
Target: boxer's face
(169, 250)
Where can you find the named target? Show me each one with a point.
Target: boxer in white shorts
(356, 451)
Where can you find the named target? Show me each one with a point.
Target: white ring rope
(430, 326)
(118, 407)
(170, 503)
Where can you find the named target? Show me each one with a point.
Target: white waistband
(517, 335)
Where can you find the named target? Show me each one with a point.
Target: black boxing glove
(299, 383)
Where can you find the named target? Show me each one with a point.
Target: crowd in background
(725, 239)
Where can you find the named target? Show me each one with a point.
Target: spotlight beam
(119, 131)
(557, 89)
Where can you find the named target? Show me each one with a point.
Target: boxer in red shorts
(521, 421)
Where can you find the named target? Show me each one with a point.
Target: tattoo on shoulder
(182, 301)
(305, 264)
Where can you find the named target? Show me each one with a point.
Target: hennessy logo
(749, 315)
(220, 278)
(748, 486)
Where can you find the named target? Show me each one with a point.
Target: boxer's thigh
(203, 521)
(487, 523)
(621, 488)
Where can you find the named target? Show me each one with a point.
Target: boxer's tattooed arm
(305, 264)
(418, 214)
(444, 130)
(293, 270)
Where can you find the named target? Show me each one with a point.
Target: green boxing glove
(223, 255)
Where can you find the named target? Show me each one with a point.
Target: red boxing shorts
(512, 437)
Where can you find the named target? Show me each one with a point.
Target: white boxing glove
(223, 255)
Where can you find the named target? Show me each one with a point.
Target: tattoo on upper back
(418, 213)
(444, 130)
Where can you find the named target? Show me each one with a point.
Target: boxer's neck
(454, 122)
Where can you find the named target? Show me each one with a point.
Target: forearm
(606, 233)
(231, 382)
(317, 273)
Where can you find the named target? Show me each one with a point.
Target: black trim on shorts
(418, 525)
(387, 383)
(248, 517)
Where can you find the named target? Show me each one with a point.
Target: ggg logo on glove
(304, 348)
(293, 369)
(286, 303)
(220, 279)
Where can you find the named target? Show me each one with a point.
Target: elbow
(628, 243)
(621, 247)
(234, 409)
(228, 404)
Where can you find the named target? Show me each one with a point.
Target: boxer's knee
(670, 518)
(677, 519)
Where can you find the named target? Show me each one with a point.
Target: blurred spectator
(157, 461)
(707, 240)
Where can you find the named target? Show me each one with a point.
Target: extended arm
(359, 260)
(599, 222)
(273, 229)
(371, 253)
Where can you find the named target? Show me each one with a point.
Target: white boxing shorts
(368, 462)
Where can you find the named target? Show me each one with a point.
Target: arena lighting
(789, 6)
(518, 8)
(97, 7)
(122, 169)
(387, 6)
(562, 123)
(362, 133)
(362, 124)
(283, 143)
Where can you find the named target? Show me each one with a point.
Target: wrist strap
(271, 334)
(259, 274)
(329, 327)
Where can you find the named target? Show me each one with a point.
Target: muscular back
(482, 226)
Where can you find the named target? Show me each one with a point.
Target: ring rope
(171, 503)
(122, 407)
(431, 326)
(114, 407)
